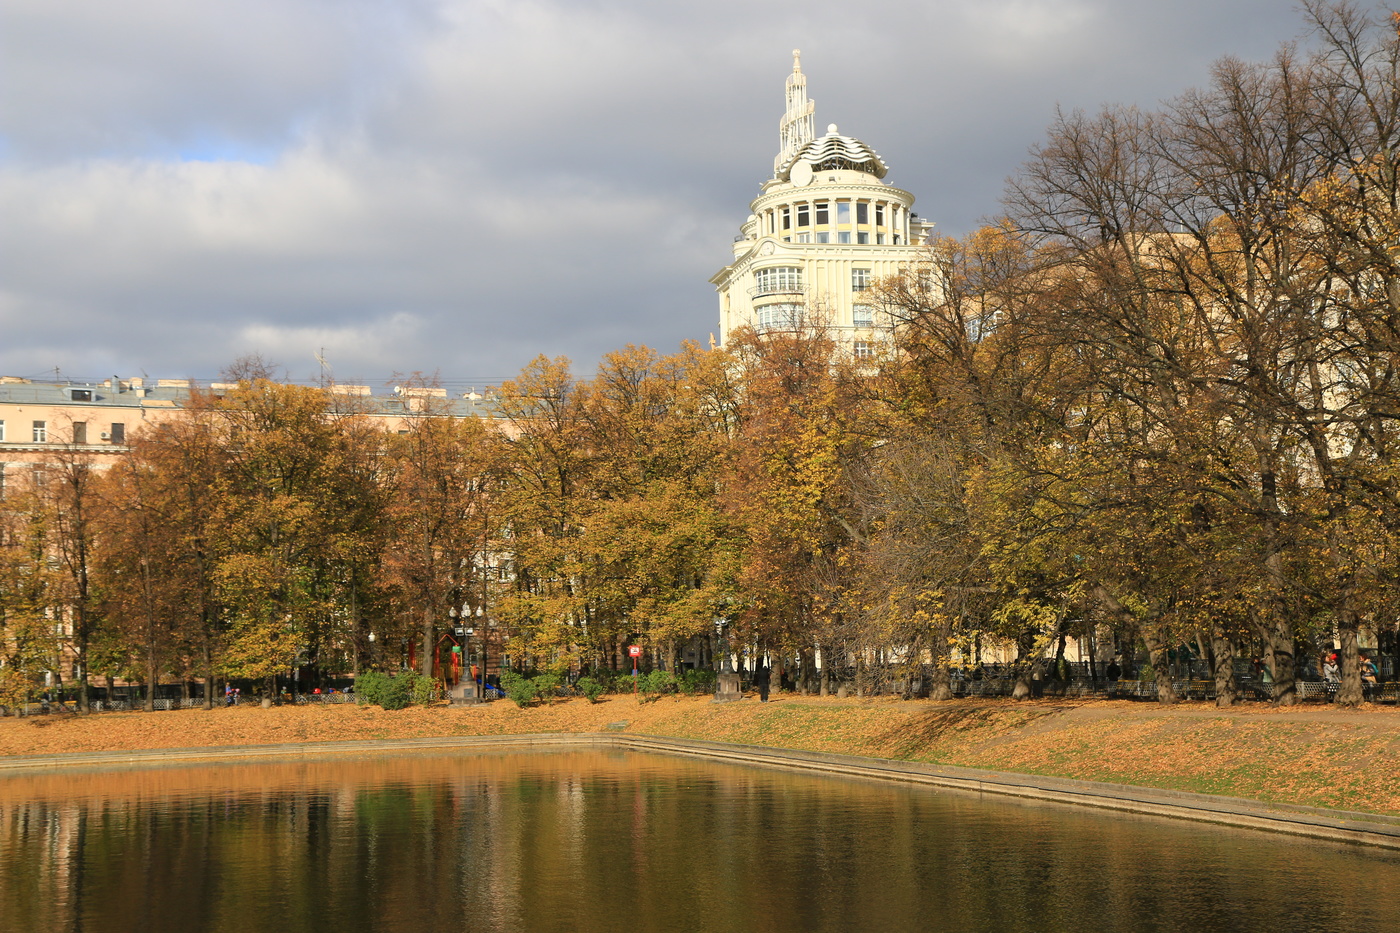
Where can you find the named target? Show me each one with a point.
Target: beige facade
(823, 229)
(98, 420)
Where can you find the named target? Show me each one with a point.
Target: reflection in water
(595, 841)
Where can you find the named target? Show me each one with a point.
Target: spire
(797, 127)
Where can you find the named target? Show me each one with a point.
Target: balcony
(777, 288)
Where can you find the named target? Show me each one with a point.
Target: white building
(822, 229)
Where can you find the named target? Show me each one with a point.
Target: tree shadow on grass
(966, 727)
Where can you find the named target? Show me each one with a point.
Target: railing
(322, 698)
(758, 291)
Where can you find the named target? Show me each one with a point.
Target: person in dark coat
(762, 677)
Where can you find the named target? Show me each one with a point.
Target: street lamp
(721, 626)
(727, 683)
(481, 684)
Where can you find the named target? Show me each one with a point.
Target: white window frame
(41, 432)
(860, 279)
(778, 317)
(777, 279)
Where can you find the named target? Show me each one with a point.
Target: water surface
(602, 841)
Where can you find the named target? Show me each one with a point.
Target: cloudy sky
(461, 185)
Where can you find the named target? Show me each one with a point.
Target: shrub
(369, 687)
(656, 683)
(547, 686)
(520, 689)
(397, 692)
(698, 681)
(423, 690)
(385, 690)
(591, 688)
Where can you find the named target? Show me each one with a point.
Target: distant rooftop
(139, 392)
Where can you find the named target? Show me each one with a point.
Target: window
(863, 350)
(843, 212)
(879, 215)
(787, 218)
(862, 237)
(804, 238)
(860, 279)
(118, 434)
(778, 279)
(779, 317)
(41, 432)
(80, 432)
(823, 237)
(879, 239)
(843, 237)
(2, 430)
(862, 212)
(82, 395)
(822, 216)
(803, 215)
(863, 316)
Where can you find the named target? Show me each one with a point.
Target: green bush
(520, 689)
(397, 692)
(369, 688)
(698, 681)
(591, 688)
(385, 690)
(547, 686)
(656, 683)
(423, 690)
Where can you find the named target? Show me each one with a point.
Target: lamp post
(727, 683)
(453, 615)
(481, 684)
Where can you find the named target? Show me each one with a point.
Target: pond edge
(1369, 829)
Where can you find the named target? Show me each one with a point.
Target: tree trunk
(1349, 691)
(1284, 669)
(425, 657)
(1161, 666)
(942, 686)
(1223, 669)
(1024, 667)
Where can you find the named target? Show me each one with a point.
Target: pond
(622, 841)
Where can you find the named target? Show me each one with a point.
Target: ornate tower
(823, 229)
(798, 125)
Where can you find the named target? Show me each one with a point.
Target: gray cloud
(462, 185)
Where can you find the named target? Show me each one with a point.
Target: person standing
(762, 678)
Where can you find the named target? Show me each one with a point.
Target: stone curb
(1335, 825)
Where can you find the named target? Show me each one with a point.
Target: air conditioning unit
(106, 436)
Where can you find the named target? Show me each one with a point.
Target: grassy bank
(1315, 756)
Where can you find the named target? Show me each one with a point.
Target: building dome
(834, 151)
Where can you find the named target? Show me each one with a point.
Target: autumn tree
(440, 511)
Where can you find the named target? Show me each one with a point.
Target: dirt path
(1318, 756)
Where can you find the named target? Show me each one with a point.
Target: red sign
(635, 651)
